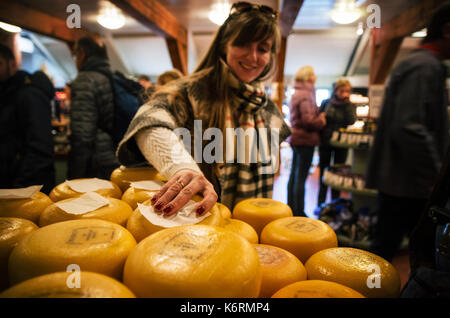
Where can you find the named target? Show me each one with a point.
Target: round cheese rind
(117, 211)
(123, 176)
(226, 213)
(12, 230)
(62, 191)
(299, 235)
(29, 209)
(193, 261)
(261, 211)
(241, 228)
(133, 196)
(94, 245)
(363, 271)
(279, 268)
(69, 285)
(316, 289)
(140, 227)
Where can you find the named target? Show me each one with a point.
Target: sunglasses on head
(242, 6)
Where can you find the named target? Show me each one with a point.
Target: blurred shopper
(92, 152)
(340, 113)
(411, 138)
(306, 122)
(26, 142)
(168, 76)
(148, 86)
(224, 92)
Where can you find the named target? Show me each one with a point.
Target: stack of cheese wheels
(193, 261)
(316, 289)
(29, 209)
(12, 230)
(134, 195)
(299, 235)
(63, 191)
(259, 212)
(224, 210)
(117, 211)
(360, 270)
(241, 228)
(279, 268)
(94, 245)
(140, 227)
(122, 176)
(69, 285)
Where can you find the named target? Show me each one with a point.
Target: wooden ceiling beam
(387, 40)
(33, 20)
(156, 17)
(286, 19)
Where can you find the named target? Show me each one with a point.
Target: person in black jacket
(92, 152)
(340, 113)
(26, 142)
(411, 138)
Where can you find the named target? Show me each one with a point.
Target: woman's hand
(180, 189)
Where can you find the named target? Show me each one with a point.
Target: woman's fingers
(170, 190)
(209, 199)
(180, 189)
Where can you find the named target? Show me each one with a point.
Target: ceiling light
(345, 12)
(10, 27)
(360, 29)
(219, 12)
(420, 34)
(110, 17)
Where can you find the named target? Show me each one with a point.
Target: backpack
(128, 98)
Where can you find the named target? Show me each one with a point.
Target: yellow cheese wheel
(12, 230)
(117, 211)
(279, 268)
(123, 176)
(226, 213)
(94, 245)
(62, 191)
(316, 289)
(241, 228)
(193, 261)
(299, 235)
(363, 271)
(69, 285)
(133, 196)
(140, 227)
(259, 212)
(29, 209)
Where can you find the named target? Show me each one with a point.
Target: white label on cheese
(88, 202)
(151, 185)
(89, 185)
(21, 193)
(185, 216)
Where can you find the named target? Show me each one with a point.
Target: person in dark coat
(26, 142)
(92, 152)
(411, 138)
(306, 122)
(340, 113)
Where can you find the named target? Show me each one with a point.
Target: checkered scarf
(243, 180)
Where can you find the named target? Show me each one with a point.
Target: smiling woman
(225, 91)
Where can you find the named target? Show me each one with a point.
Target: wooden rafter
(288, 14)
(159, 19)
(31, 19)
(386, 41)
